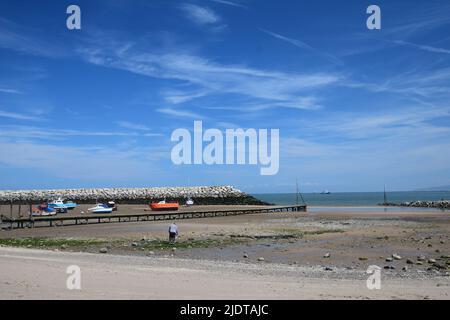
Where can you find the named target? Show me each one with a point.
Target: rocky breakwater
(225, 195)
(440, 204)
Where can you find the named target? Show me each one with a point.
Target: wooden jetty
(62, 220)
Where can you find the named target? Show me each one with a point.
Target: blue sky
(95, 107)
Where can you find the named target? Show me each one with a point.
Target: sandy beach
(323, 253)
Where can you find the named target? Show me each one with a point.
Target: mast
(385, 197)
(298, 193)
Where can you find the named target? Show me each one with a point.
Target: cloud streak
(7, 90)
(180, 113)
(303, 45)
(421, 47)
(208, 77)
(229, 3)
(199, 15)
(17, 116)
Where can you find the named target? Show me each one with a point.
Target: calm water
(353, 198)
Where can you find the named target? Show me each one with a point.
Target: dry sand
(37, 274)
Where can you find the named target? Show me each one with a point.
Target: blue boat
(60, 204)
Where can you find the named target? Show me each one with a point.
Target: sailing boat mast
(385, 197)
(298, 193)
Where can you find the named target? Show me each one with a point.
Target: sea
(353, 198)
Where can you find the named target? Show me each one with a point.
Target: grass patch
(40, 242)
(324, 231)
(188, 244)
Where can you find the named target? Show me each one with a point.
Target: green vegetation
(158, 244)
(188, 244)
(39, 242)
(317, 232)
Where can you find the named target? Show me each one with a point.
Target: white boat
(44, 212)
(325, 192)
(101, 208)
(60, 204)
(189, 202)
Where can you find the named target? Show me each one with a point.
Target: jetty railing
(41, 221)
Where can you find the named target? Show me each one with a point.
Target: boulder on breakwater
(225, 195)
(440, 204)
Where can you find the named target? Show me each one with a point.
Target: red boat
(163, 205)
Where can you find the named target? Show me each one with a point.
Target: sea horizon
(352, 198)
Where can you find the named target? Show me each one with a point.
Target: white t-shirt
(173, 228)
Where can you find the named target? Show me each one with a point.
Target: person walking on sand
(173, 232)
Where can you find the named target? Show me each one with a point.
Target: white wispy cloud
(8, 90)
(424, 84)
(209, 77)
(180, 113)
(199, 15)
(28, 41)
(229, 3)
(404, 123)
(303, 45)
(177, 96)
(17, 116)
(123, 163)
(133, 126)
(302, 103)
(422, 47)
(33, 132)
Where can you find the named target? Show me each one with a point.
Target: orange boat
(163, 205)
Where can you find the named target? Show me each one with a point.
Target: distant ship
(325, 192)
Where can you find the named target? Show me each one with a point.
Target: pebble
(326, 255)
(328, 269)
(103, 250)
(260, 259)
(245, 255)
(405, 268)
(431, 261)
(396, 256)
(439, 266)
(389, 259)
(421, 258)
(409, 261)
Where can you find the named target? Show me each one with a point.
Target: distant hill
(441, 188)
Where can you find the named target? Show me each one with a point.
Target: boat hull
(164, 206)
(106, 210)
(101, 208)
